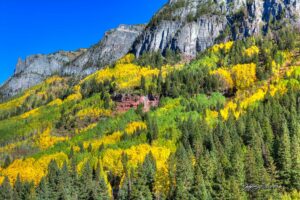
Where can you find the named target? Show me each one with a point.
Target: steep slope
(192, 26)
(36, 68)
(228, 118)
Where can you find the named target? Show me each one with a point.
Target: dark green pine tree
(295, 168)
(106, 99)
(149, 171)
(53, 179)
(71, 154)
(101, 189)
(125, 189)
(220, 185)
(42, 190)
(143, 85)
(236, 172)
(18, 188)
(159, 83)
(29, 191)
(268, 135)
(143, 187)
(64, 183)
(284, 156)
(199, 190)
(183, 174)
(139, 189)
(74, 179)
(6, 191)
(152, 133)
(7, 161)
(252, 173)
(86, 183)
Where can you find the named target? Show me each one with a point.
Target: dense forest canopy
(226, 127)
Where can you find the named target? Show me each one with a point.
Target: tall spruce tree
(6, 191)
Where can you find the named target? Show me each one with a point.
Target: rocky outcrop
(36, 68)
(192, 26)
(115, 44)
(127, 101)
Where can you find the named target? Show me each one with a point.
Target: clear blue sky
(45, 26)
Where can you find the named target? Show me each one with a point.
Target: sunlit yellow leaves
(241, 76)
(211, 116)
(14, 103)
(109, 139)
(224, 77)
(244, 75)
(294, 71)
(74, 97)
(90, 126)
(257, 96)
(129, 58)
(93, 113)
(53, 79)
(128, 75)
(134, 126)
(253, 50)
(56, 102)
(136, 154)
(31, 169)
(229, 107)
(30, 113)
(46, 140)
(223, 46)
(293, 195)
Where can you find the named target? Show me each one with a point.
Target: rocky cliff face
(115, 44)
(192, 26)
(34, 69)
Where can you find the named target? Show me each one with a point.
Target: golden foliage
(46, 140)
(246, 98)
(74, 97)
(223, 46)
(90, 126)
(93, 113)
(129, 58)
(244, 75)
(136, 154)
(293, 195)
(134, 126)
(31, 169)
(128, 75)
(224, 76)
(53, 79)
(15, 102)
(229, 107)
(253, 50)
(109, 139)
(211, 116)
(30, 113)
(56, 102)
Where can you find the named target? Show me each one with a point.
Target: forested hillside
(222, 126)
